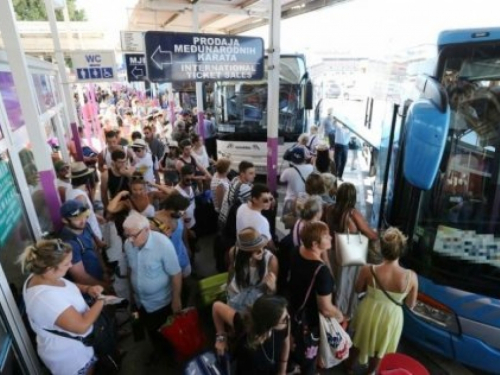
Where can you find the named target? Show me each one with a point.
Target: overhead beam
(290, 10)
(205, 7)
(170, 19)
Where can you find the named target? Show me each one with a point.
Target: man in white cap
(146, 163)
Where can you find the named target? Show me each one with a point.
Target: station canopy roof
(214, 16)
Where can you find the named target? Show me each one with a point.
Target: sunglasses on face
(283, 323)
(137, 149)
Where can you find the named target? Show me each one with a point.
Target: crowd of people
(160, 190)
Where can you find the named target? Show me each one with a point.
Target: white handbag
(334, 342)
(351, 249)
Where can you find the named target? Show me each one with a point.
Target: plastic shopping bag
(334, 342)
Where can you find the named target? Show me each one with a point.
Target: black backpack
(286, 249)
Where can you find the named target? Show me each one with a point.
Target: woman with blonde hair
(56, 304)
(379, 319)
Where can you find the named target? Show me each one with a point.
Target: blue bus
(439, 180)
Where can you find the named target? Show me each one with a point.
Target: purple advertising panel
(11, 101)
(44, 92)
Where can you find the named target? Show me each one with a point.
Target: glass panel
(244, 105)
(459, 218)
(35, 188)
(15, 232)
(11, 101)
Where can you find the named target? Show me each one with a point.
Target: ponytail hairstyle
(45, 254)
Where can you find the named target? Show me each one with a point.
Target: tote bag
(185, 333)
(334, 342)
(352, 249)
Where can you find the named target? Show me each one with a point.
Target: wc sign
(90, 66)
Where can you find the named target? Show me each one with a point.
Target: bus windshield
(459, 220)
(242, 106)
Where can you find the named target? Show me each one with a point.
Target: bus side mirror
(309, 95)
(426, 134)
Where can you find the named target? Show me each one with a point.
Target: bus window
(459, 219)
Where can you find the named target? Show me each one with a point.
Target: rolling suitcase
(208, 364)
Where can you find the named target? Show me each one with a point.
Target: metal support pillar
(69, 111)
(273, 95)
(199, 85)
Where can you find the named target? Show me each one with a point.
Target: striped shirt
(237, 190)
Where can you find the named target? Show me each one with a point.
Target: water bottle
(137, 328)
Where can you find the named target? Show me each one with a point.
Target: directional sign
(136, 67)
(203, 57)
(132, 41)
(94, 65)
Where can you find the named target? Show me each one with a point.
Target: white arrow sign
(137, 72)
(161, 58)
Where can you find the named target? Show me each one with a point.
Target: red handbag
(184, 332)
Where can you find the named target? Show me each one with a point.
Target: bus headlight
(436, 313)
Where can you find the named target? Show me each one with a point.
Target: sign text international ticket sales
(203, 57)
(216, 50)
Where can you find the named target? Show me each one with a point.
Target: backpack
(229, 230)
(286, 248)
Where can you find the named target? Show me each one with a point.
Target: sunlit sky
(357, 27)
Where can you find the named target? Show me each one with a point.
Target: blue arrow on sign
(161, 58)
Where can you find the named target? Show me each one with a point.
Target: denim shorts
(85, 369)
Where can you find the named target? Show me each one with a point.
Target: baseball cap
(298, 155)
(72, 208)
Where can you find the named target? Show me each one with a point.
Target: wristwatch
(220, 338)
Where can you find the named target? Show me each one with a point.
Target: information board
(10, 205)
(174, 57)
(136, 67)
(132, 41)
(93, 66)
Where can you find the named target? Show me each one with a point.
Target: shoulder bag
(382, 288)
(303, 332)
(351, 249)
(104, 341)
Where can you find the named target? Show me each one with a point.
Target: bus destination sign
(172, 57)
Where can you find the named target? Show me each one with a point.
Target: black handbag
(103, 340)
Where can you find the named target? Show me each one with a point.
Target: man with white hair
(155, 276)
